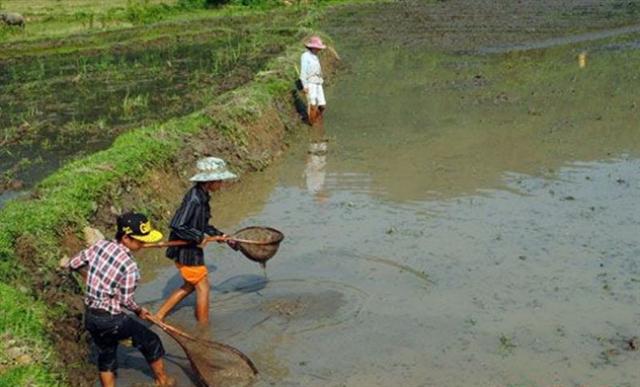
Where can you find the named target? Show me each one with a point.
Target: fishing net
(215, 364)
(259, 244)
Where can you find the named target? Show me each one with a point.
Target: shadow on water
(244, 283)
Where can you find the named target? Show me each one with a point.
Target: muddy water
(460, 221)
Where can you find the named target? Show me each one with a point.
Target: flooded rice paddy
(57, 107)
(461, 220)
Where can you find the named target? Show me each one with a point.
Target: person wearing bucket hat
(191, 223)
(311, 78)
(111, 276)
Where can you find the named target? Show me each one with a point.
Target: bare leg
(319, 113)
(202, 300)
(161, 377)
(314, 114)
(173, 300)
(108, 379)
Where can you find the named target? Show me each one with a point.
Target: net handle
(205, 241)
(169, 328)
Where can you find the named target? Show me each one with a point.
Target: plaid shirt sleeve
(128, 287)
(82, 258)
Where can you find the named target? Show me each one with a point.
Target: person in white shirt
(311, 78)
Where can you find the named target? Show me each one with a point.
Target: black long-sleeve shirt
(191, 223)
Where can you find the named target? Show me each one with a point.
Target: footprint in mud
(290, 306)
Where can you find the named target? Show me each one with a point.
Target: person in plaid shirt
(111, 277)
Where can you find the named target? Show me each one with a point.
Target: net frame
(207, 372)
(252, 243)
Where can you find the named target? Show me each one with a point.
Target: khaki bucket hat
(212, 169)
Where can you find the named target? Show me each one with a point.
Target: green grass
(32, 375)
(22, 323)
(45, 7)
(53, 19)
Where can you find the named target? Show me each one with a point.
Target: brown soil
(57, 288)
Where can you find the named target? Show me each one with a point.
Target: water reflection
(315, 168)
(582, 59)
(426, 125)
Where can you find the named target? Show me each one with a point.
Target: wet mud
(462, 219)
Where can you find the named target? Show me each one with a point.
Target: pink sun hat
(315, 42)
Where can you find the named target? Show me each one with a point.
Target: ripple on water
(290, 306)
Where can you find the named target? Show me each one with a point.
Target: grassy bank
(246, 125)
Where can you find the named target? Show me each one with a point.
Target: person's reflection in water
(316, 162)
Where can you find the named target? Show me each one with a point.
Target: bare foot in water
(169, 381)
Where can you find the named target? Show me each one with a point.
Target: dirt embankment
(247, 129)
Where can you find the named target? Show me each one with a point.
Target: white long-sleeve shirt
(310, 71)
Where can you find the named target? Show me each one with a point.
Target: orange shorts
(192, 274)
